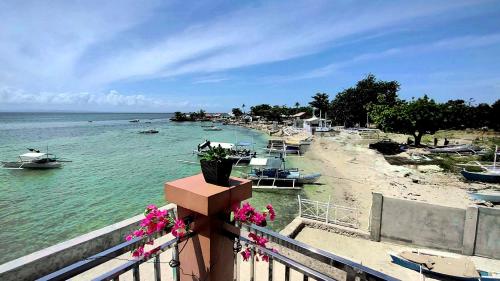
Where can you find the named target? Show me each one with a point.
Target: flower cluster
(247, 214)
(155, 221)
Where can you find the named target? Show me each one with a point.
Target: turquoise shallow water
(115, 173)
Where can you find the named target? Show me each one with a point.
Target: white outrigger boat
(33, 160)
(212, 128)
(272, 173)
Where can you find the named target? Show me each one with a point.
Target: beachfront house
(311, 124)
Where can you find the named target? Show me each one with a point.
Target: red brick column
(209, 253)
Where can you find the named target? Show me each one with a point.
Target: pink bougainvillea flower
(160, 226)
(139, 233)
(265, 258)
(138, 252)
(272, 214)
(129, 237)
(246, 254)
(258, 219)
(178, 228)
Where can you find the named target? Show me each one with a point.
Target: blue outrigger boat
(444, 268)
(490, 173)
(486, 176)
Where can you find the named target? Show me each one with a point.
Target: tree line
(373, 101)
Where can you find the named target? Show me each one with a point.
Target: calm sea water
(115, 172)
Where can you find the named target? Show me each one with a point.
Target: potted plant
(216, 167)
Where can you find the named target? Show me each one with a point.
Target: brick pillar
(209, 254)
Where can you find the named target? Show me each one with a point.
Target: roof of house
(298, 114)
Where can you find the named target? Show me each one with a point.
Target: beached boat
(239, 153)
(34, 160)
(485, 176)
(282, 147)
(492, 196)
(152, 131)
(212, 128)
(442, 267)
(490, 173)
(272, 173)
(387, 147)
(459, 148)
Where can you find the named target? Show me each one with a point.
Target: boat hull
(25, 165)
(482, 177)
(416, 267)
(489, 197)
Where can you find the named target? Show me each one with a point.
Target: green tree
(260, 110)
(495, 112)
(417, 118)
(320, 101)
(237, 112)
(297, 104)
(351, 105)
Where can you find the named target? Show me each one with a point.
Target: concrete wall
(471, 231)
(48, 260)
(488, 233)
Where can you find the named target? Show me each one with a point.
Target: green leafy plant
(215, 154)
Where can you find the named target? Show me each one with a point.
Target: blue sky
(163, 56)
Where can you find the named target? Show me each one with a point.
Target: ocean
(115, 172)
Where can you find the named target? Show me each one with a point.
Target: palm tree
(243, 107)
(297, 104)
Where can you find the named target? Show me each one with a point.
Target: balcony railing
(286, 245)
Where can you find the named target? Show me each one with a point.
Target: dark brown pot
(217, 172)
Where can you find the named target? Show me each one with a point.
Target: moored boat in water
(272, 171)
(33, 160)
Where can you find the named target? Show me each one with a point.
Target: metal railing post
(270, 270)
(327, 209)
(157, 268)
(175, 256)
(287, 273)
(252, 264)
(137, 276)
(300, 206)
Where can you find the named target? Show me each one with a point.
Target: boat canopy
(269, 163)
(32, 155)
(225, 145)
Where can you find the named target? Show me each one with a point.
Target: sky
(165, 56)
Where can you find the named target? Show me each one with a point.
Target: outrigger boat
(486, 196)
(282, 147)
(34, 160)
(152, 131)
(442, 267)
(212, 128)
(272, 171)
(460, 149)
(490, 173)
(238, 153)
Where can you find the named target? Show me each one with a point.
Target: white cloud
(65, 46)
(463, 42)
(62, 50)
(83, 100)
